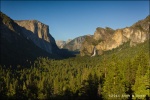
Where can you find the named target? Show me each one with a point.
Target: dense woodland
(121, 74)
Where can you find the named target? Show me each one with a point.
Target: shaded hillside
(16, 48)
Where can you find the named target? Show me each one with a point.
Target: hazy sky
(70, 19)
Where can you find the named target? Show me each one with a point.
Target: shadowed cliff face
(39, 34)
(25, 43)
(105, 39)
(16, 48)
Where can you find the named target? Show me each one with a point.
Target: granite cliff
(26, 40)
(16, 48)
(39, 34)
(105, 39)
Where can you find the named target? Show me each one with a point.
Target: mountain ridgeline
(105, 39)
(61, 43)
(121, 72)
(75, 44)
(24, 41)
(39, 34)
(42, 38)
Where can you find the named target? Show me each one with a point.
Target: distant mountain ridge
(105, 39)
(75, 44)
(61, 43)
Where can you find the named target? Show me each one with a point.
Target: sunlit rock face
(102, 33)
(87, 50)
(17, 46)
(105, 39)
(39, 34)
(60, 43)
(75, 44)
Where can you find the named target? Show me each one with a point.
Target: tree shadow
(88, 91)
(130, 92)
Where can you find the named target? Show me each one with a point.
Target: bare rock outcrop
(105, 39)
(39, 34)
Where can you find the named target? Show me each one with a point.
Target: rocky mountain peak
(39, 34)
(102, 33)
(26, 40)
(38, 28)
(16, 47)
(60, 43)
(105, 39)
(75, 44)
(142, 24)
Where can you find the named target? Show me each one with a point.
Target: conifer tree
(141, 86)
(113, 87)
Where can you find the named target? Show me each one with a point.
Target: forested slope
(121, 74)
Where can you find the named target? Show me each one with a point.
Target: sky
(71, 19)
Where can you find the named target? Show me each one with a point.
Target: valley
(36, 66)
(124, 72)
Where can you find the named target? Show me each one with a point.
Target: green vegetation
(92, 41)
(109, 30)
(118, 74)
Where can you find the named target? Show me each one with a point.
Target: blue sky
(70, 19)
